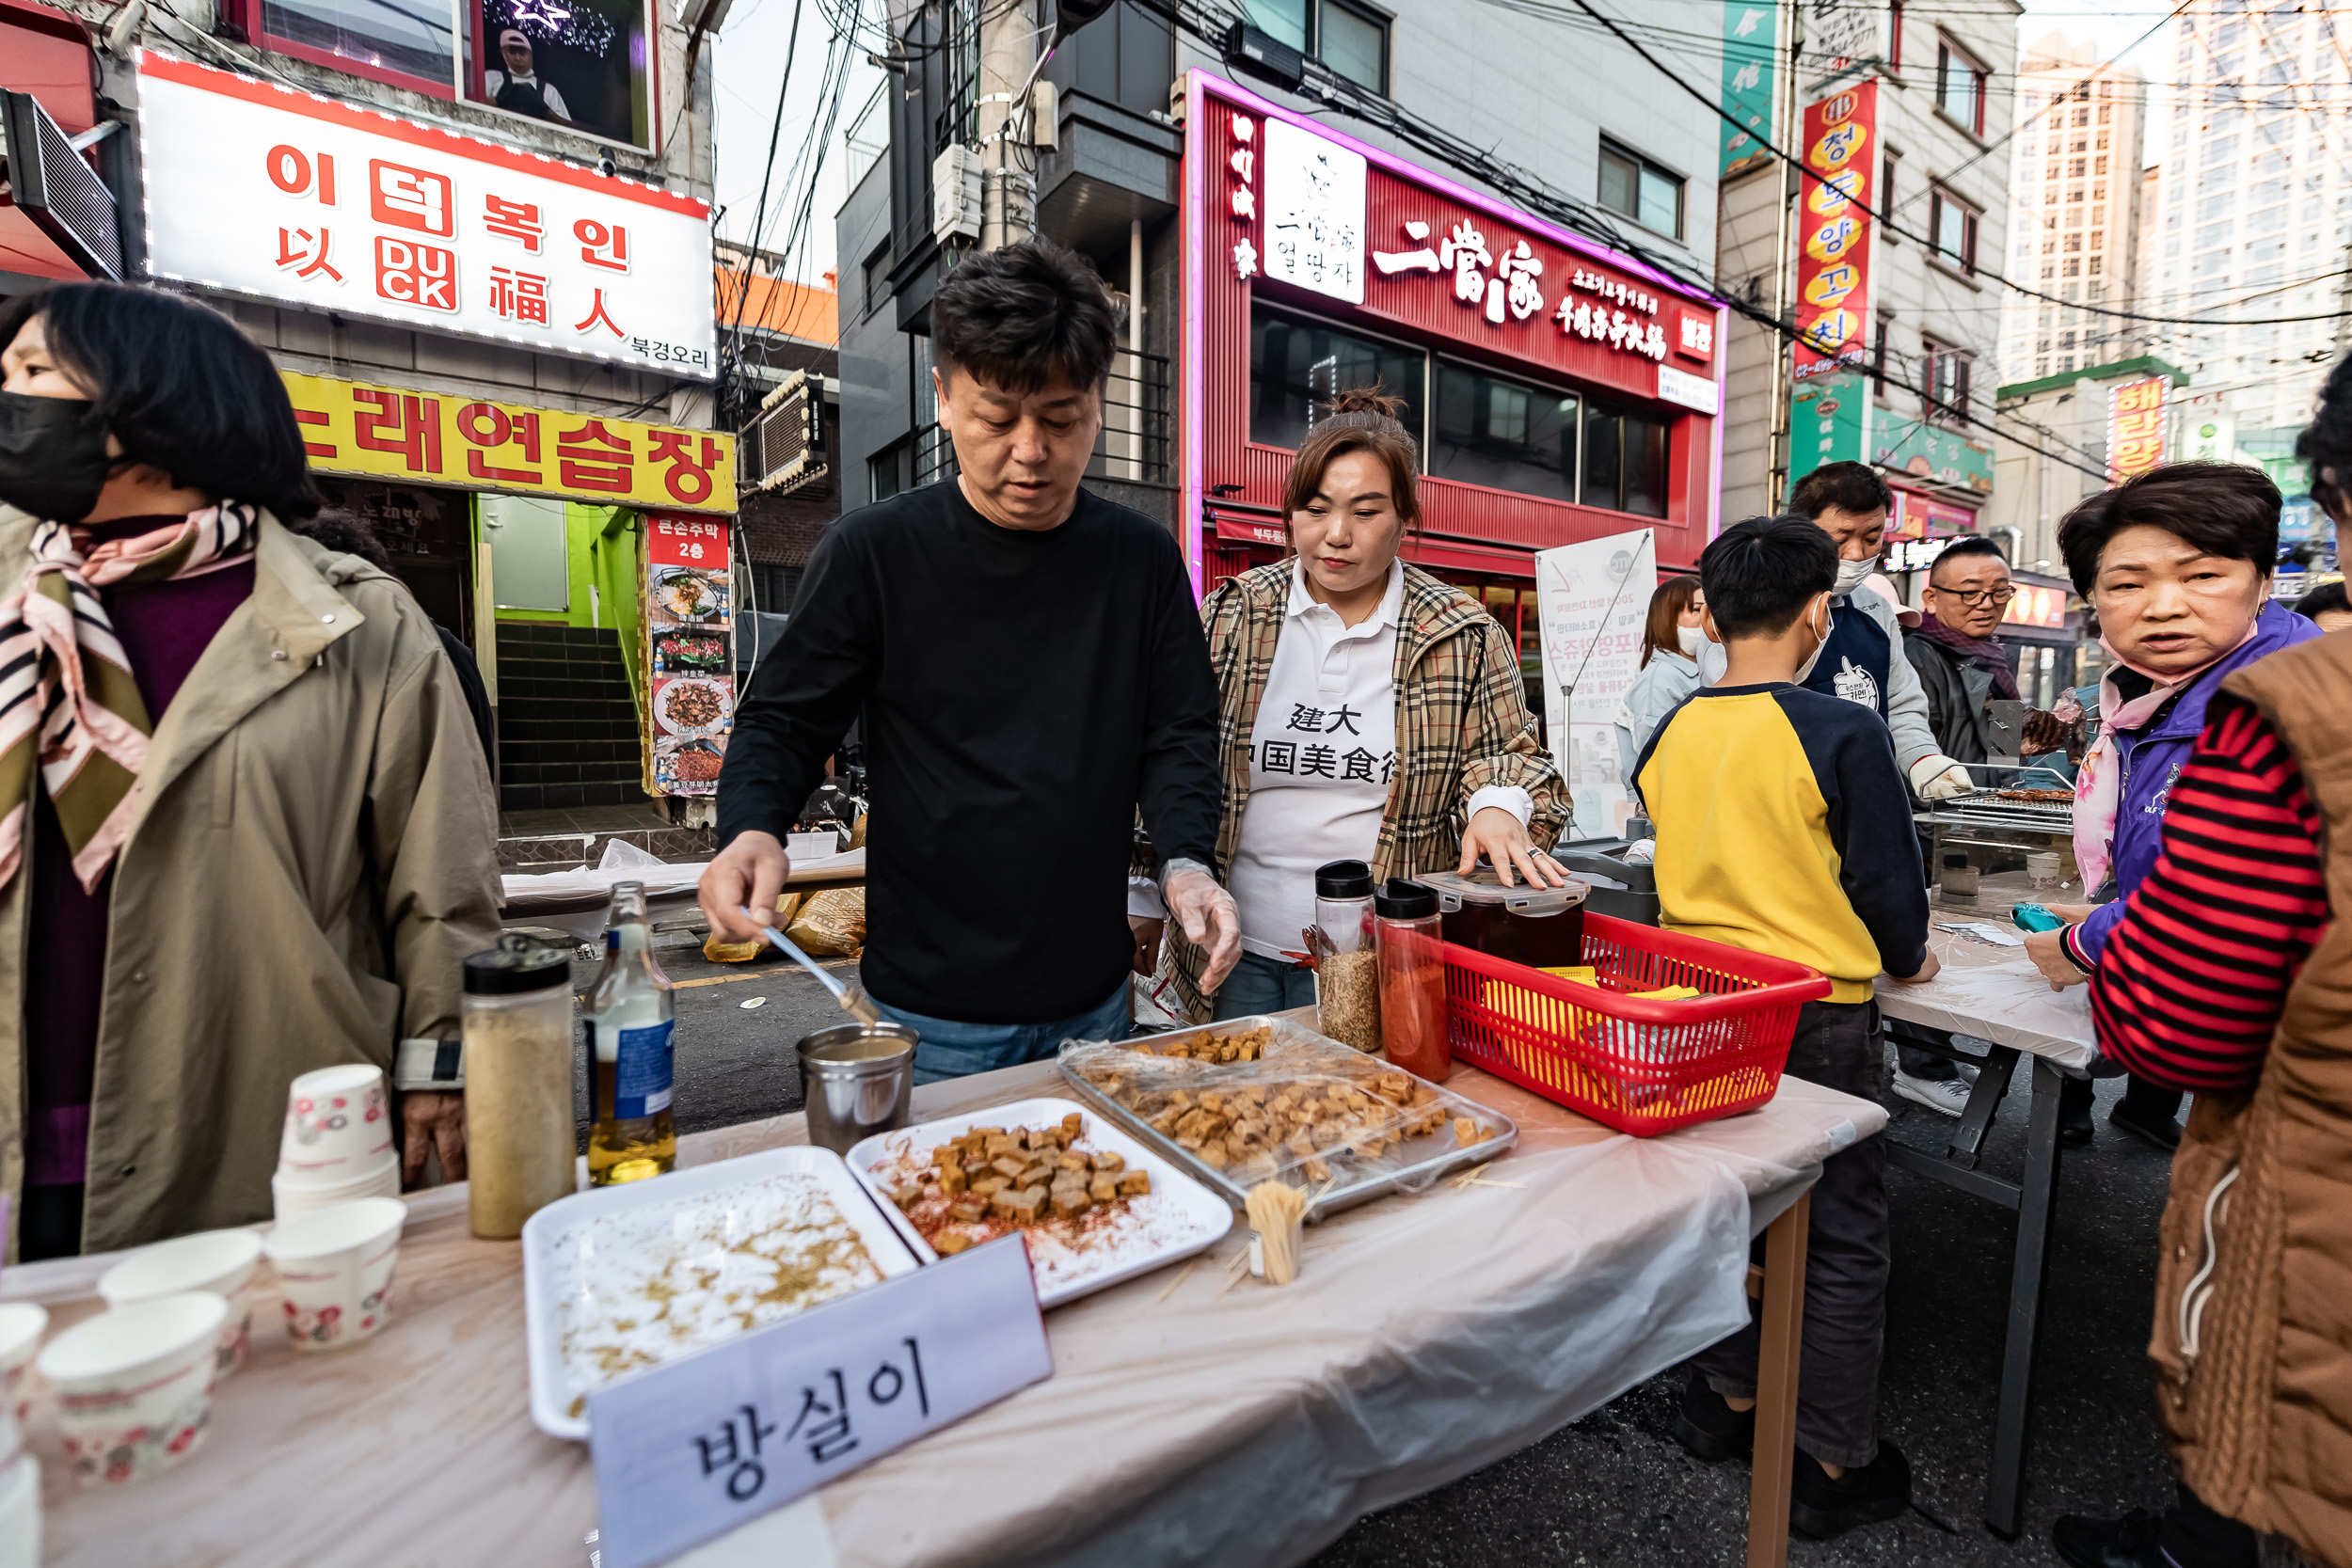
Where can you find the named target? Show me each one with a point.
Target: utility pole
(1786, 134)
(1009, 66)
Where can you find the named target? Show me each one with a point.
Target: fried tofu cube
(1070, 1200)
(1179, 1099)
(1213, 1155)
(968, 1210)
(952, 1180)
(1236, 1146)
(1229, 1050)
(1318, 1171)
(948, 1243)
(1135, 1183)
(1165, 1122)
(1025, 1206)
(1000, 1144)
(1191, 1123)
(946, 1156)
(1113, 1163)
(1073, 1124)
(1069, 1160)
(1212, 1100)
(1301, 1143)
(1466, 1131)
(989, 1185)
(1422, 1094)
(1104, 1188)
(1188, 1140)
(1008, 1166)
(1324, 1136)
(907, 1197)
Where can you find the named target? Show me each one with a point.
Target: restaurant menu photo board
(690, 654)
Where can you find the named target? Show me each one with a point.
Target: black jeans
(50, 1225)
(1838, 1045)
(2194, 1536)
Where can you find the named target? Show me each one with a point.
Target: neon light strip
(1191, 513)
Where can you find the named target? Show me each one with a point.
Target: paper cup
(134, 1386)
(294, 1194)
(221, 1261)
(20, 1499)
(337, 1122)
(335, 1267)
(21, 1324)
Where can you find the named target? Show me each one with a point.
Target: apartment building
(2075, 186)
(2256, 207)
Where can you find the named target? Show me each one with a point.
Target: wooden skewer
(1179, 1279)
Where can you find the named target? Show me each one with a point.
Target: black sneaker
(1708, 1428)
(1820, 1507)
(2164, 1132)
(2126, 1543)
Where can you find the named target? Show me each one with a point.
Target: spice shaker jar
(516, 1021)
(1410, 940)
(1347, 978)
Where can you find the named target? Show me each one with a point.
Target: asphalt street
(1613, 1488)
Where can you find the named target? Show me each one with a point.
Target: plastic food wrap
(1262, 1099)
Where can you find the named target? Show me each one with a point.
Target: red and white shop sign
(261, 190)
(687, 542)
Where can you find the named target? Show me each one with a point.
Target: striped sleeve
(2189, 989)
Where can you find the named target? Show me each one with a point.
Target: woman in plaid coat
(1367, 711)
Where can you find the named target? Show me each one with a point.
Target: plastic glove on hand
(1939, 778)
(1210, 920)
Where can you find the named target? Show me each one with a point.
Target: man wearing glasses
(1961, 669)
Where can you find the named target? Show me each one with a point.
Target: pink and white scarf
(2098, 786)
(68, 701)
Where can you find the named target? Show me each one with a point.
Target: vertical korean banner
(1592, 599)
(1750, 35)
(1834, 231)
(690, 654)
(2137, 412)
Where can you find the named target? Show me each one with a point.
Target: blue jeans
(1263, 985)
(952, 1050)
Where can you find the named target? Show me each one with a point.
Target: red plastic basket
(1642, 1065)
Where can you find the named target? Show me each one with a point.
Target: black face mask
(53, 456)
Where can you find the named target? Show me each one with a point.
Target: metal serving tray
(1297, 1047)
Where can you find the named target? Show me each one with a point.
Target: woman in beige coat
(246, 829)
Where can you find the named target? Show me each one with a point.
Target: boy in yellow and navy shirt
(1784, 827)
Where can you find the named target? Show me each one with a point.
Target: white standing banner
(261, 190)
(1592, 599)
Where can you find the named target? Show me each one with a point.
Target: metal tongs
(849, 993)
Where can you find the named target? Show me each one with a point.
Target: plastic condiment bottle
(518, 1027)
(1411, 945)
(1347, 978)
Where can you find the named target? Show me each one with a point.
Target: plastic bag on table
(744, 952)
(832, 924)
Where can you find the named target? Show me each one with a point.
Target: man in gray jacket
(1862, 661)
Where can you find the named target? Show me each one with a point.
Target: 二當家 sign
(697, 1447)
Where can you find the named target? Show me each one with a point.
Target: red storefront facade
(1560, 391)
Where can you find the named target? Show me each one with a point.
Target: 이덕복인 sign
(261, 190)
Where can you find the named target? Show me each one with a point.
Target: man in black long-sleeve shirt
(1031, 670)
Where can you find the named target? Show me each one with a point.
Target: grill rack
(1984, 808)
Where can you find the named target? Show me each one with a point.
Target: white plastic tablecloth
(1996, 993)
(1429, 1335)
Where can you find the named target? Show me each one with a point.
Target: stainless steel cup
(858, 1080)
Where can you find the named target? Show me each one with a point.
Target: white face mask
(1693, 638)
(1821, 631)
(1853, 575)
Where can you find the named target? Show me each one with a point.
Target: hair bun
(1366, 399)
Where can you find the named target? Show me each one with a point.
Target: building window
(882, 474)
(775, 587)
(1351, 38)
(1885, 199)
(1625, 461)
(1948, 383)
(1953, 226)
(414, 47)
(1505, 434)
(1354, 42)
(1960, 86)
(1634, 187)
(1878, 355)
(876, 277)
(1297, 365)
(1895, 34)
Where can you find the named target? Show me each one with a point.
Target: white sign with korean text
(699, 1445)
(1592, 599)
(261, 190)
(1312, 211)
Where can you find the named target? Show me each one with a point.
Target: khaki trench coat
(314, 852)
